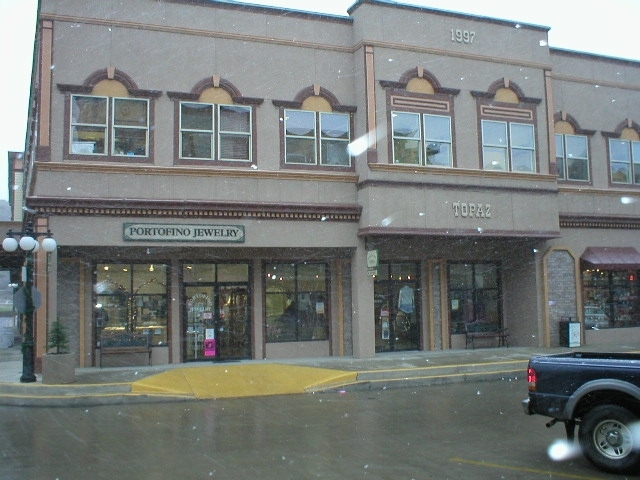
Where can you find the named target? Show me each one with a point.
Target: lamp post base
(28, 375)
(28, 378)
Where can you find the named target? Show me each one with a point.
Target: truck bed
(562, 376)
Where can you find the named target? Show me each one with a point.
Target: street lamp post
(29, 243)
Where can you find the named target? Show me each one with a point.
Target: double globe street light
(29, 244)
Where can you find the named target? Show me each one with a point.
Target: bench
(131, 347)
(475, 330)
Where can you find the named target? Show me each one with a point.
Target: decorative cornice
(97, 207)
(590, 191)
(195, 171)
(87, 89)
(453, 232)
(591, 81)
(593, 221)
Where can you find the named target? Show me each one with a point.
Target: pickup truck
(599, 393)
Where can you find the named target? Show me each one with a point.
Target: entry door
(217, 325)
(397, 319)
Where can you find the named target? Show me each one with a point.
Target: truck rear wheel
(607, 439)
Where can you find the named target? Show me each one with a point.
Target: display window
(131, 297)
(296, 302)
(611, 298)
(474, 294)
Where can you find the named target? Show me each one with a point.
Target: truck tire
(607, 439)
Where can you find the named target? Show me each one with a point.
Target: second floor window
(421, 139)
(317, 138)
(572, 157)
(508, 146)
(624, 161)
(109, 126)
(215, 132)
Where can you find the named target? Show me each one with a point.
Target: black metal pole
(28, 354)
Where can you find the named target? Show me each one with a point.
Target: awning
(612, 258)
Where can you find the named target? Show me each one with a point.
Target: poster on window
(209, 342)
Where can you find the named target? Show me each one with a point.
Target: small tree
(58, 338)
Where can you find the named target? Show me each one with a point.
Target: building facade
(248, 182)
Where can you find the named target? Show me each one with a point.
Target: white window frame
(563, 156)
(109, 128)
(79, 147)
(216, 133)
(320, 140)
(423, 139)
(133, 127)
(631, 163)
(507, 147)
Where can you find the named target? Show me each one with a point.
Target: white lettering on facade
(459, 35)
(471, 210)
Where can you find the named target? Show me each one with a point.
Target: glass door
(217, 325)
(397, 326)
(199, 319)
(233, 324)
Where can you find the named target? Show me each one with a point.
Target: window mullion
(215, 137)
(318, 142)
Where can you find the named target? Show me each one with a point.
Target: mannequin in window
(404, 318)
(405, 300)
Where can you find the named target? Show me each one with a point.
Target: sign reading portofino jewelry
(167, 232)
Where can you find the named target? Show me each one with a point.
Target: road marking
(523, 469)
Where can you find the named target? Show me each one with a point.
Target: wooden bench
(130, 346)
(475, 330)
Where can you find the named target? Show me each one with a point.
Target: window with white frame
(508, 146)
(572, 157)
(421, 139)
(215, 132)
(109, 126)
(317, 138)
(624, 161)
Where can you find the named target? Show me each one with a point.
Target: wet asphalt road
(465, 431)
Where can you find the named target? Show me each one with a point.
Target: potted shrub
(58, 365)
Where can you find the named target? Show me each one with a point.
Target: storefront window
(131, 298)
(611, 298)
(474, 294)
(296, 302)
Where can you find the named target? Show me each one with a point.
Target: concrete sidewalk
(209, 380)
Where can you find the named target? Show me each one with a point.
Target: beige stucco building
(246, 182)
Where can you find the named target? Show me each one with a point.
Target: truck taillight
(532, 378)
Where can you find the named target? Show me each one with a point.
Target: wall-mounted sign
(471, 210)
(167, 232)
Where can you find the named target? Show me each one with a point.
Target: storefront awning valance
(612, 258)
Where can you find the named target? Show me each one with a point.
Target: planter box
(59, 369)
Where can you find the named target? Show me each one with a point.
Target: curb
(369, 380)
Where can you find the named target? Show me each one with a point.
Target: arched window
(572, 149)
(507, 127)
(108, 117)
(421, 120)
(215, 123)
(624, 154)
(316, 130)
